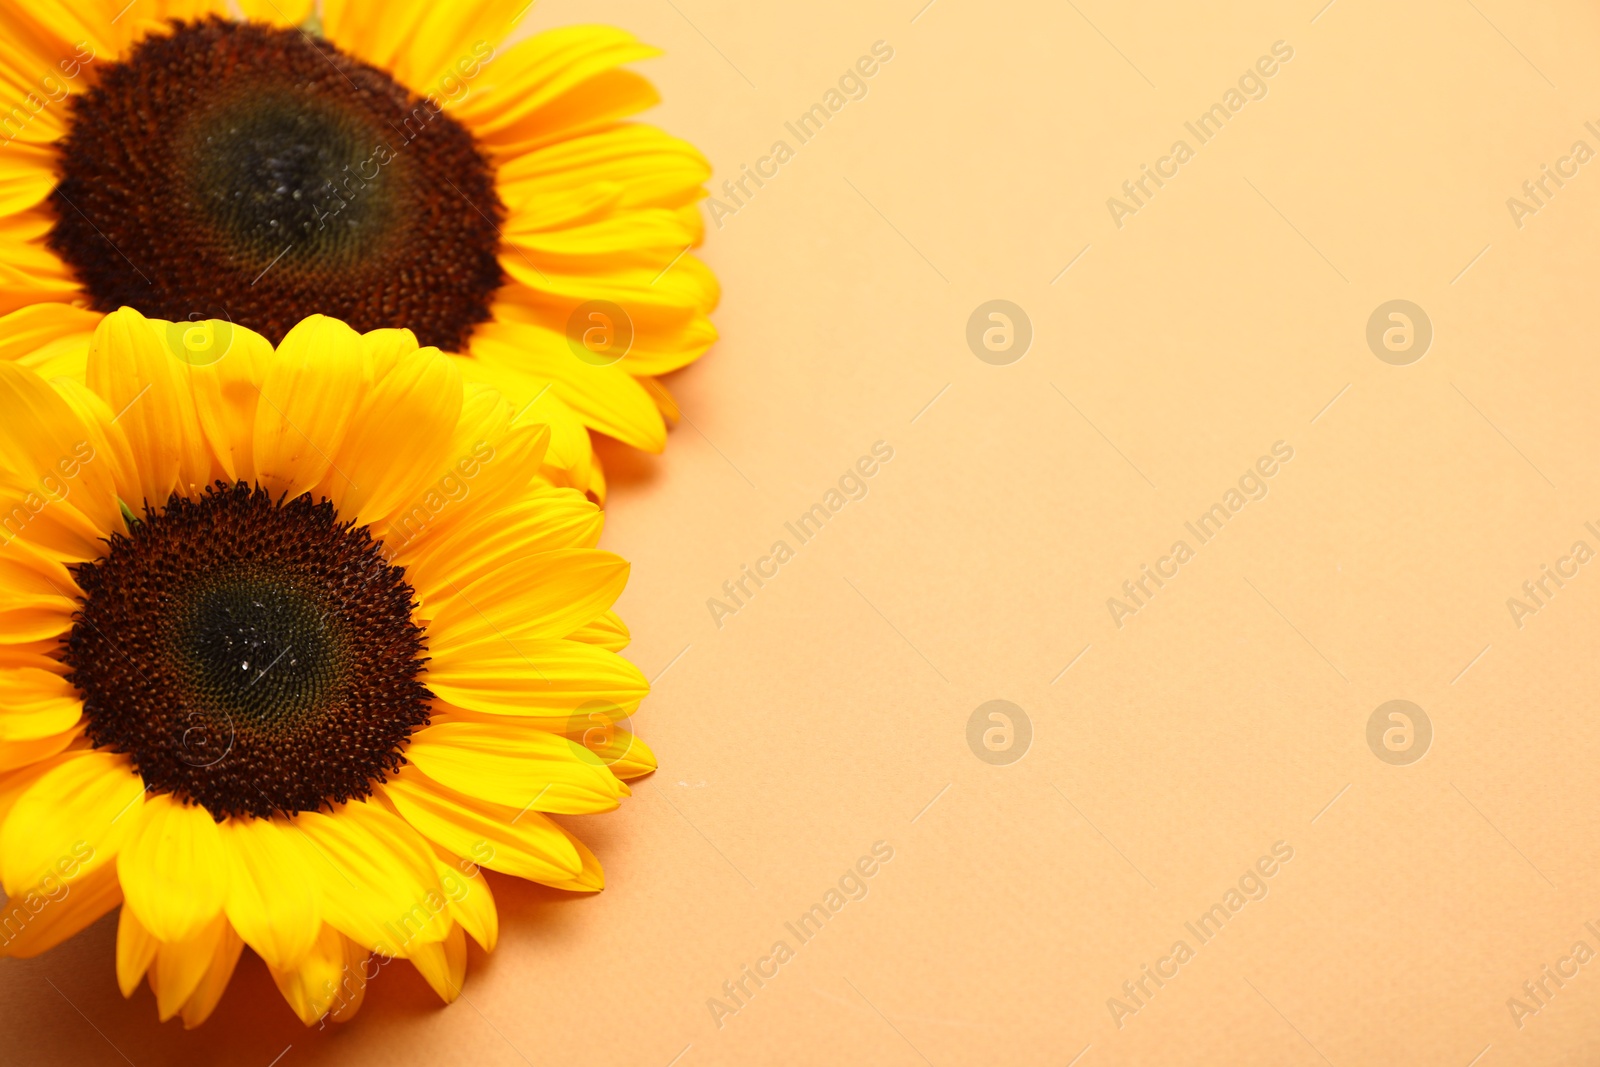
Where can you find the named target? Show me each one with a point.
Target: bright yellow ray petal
(471, 901)
(40, 334)
(623, 753)
(181, 966)
(174, 869)
(132, 370)
(223, 380)
(277, 12)
(590, 879)
(670, 329)
(40, 917)
(36, 703)
(319, 980)
(14, 783)
(385, 349)
(352, 987)
(203, 1001)
(598, 103)
(78, 813)
(104, 446)
(47, 460)
(271, 902)
(377, 878)
(533, 74)
(518, 359)
(136, 950)
(26, 176)
(454, 43)
(516, 767)
(542, 595)
(638, 164)
(35, 622)
(524, 844)
(443, 964)
(608, 632)
(536, 676)
(305, 404)
(398, 438)
(17, 754)
(543, 521)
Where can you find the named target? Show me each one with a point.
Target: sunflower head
(294, 641)
(398, 167)
(281, 179)
(276, 671)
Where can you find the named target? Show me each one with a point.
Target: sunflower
(292, 643)
(392, 165)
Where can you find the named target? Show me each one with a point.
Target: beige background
(1227, 715)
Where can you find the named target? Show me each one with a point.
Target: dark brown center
(233, 170)
(250, 656)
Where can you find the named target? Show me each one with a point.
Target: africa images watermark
(1538, 592)
(1252, 485)
(54, 887)
(1537, 993)
(52, 487)
(852, 485)
(54, 90)
(852, 85)
(1252, 85)
(1537, 192)
(1251, 887)
(850, 886)
(452, 488)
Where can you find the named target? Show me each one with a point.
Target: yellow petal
(385, 348)
(527, 844)
(535, 677)
(305, 404)
(36, 703)
(352, 987)
(320, 980)
(539, 72)
(136, 950)
(271, 902)
(607, 631)
(377, 878)
(42, 916)
(14, 783)
(223, 379)
(623, 753)
(15, 754)
(512, 357)
(74, 816)
(44, 445)
(174, 869)
(277, 12)
(590, 879)
(418, 41)
(141, 382)
(398, 437)
(37, 335)
(24, 186)
(181, 966)
(515, 766)
(443, 964)
(639, 165)
(543, 595)
(203, 1001)
(471, 901)
(544, 520)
